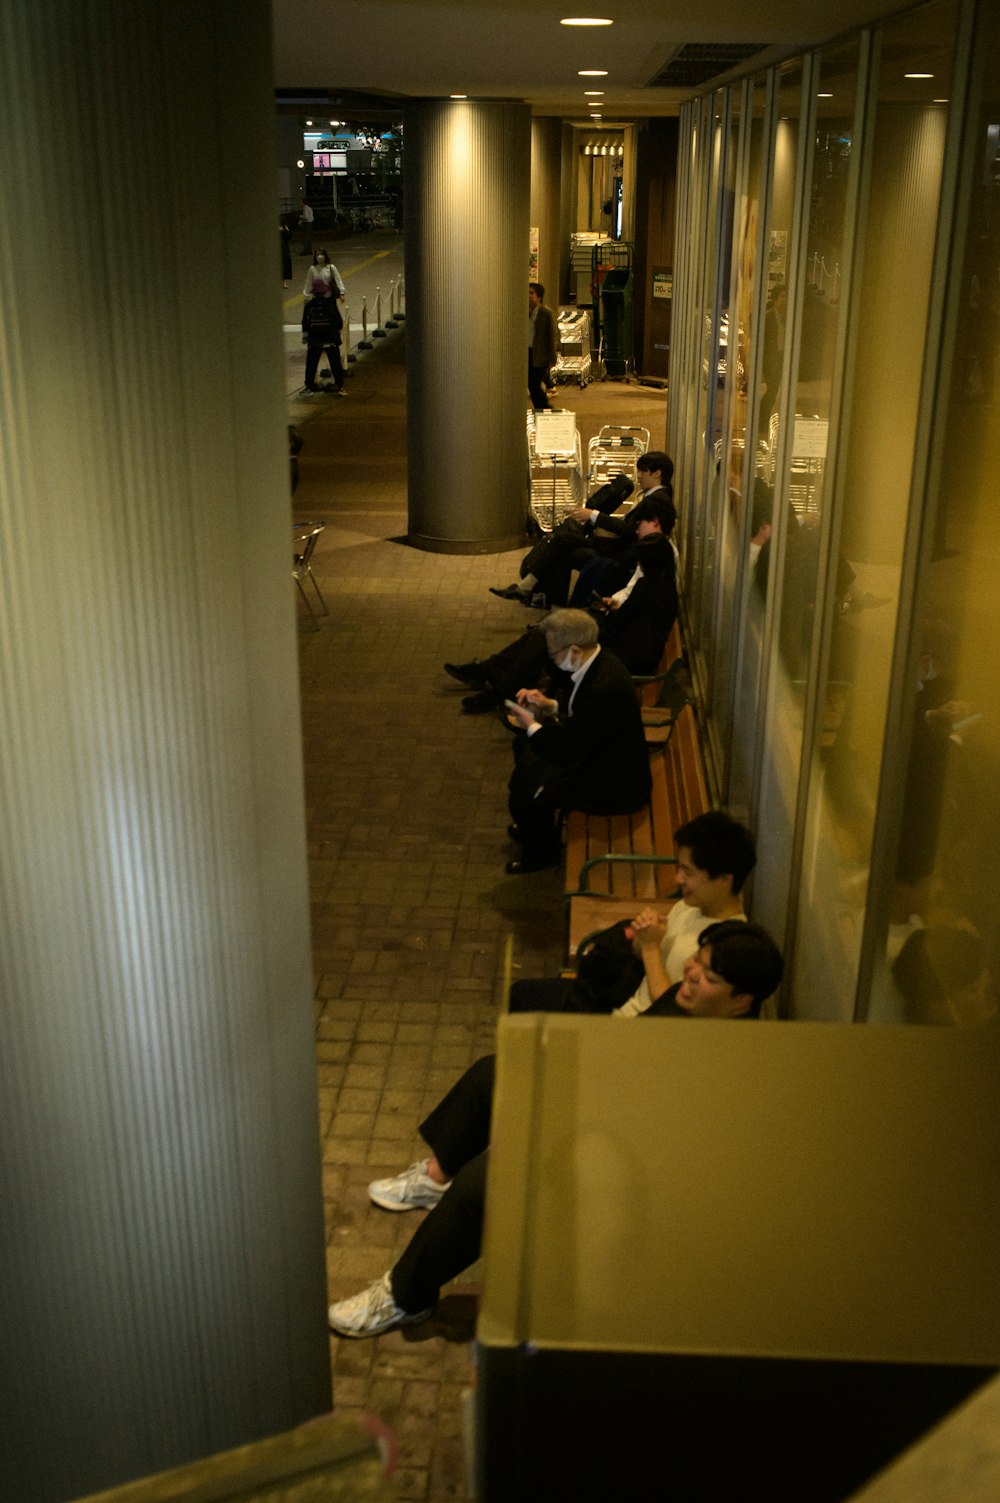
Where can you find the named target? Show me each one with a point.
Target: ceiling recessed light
(458, 96)
(939, 101)
(824, 96)
(918, 75)
(309, 122)
(585, 21)
(592, 73)
(592, 93)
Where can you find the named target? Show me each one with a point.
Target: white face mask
(572, 660)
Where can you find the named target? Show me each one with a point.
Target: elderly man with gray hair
(583, 749)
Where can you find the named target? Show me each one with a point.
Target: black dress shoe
(511, 592)
(515, 834)
(479, 704)
(528, 863)
(470, 674)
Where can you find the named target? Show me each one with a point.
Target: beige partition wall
(467, 166)
(162, 1246)
(546, 176)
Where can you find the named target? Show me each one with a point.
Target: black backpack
(321, 318)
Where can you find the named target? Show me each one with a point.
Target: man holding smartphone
(583, 749)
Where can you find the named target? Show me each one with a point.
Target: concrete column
(162, 1289)
(467, 167)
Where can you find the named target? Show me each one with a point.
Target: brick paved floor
(412, 912)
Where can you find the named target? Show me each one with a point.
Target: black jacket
(600, 750)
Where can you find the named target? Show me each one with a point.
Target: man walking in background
(543, 345)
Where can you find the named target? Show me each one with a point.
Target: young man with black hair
(715, 856)
(734, 968)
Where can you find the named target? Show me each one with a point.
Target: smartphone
(512, 704)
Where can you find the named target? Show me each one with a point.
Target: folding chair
(304, 540)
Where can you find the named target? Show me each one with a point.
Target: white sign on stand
(555, 434)
(809, 438)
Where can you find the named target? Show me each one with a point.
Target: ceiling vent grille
(697, 62)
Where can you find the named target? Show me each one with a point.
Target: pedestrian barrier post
(364, 343)
(378, 332)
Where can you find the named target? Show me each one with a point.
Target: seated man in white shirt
(734, 968)
(715, 856)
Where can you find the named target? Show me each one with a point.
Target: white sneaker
(413, 1190)
(371, 1312)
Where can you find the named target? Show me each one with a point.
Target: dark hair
(655, 459)
(655, 553)
(719, 845)
(746, 956)
(655, 509)
(538, 289)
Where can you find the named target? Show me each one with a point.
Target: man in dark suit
(592, 532)
(585, 749)
(543, 345)
(634, 622)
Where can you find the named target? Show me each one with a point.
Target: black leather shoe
(467, 673)
(511, 593)
(515, 834)
(521, 865)
(479, 704)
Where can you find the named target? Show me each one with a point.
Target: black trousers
(451, 1235)
(547, 994)
(314, 350)
(536, 807)
(536, 375)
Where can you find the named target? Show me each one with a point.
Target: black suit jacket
(599, 752)
(637, 631)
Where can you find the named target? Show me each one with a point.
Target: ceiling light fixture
(585, 21)
(918, 75)
(309, 122)
(592, 93)
(939, 101)
(458, 96)
(592, 73)
(824, 96)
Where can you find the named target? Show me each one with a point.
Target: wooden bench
(617, 864)
(656, 690)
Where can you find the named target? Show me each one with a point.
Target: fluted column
(467, 169)
(161, 1276)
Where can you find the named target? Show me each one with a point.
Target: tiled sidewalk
(412, 912)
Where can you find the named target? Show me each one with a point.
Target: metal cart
(555, 467)
(574, 360)
(614, 452)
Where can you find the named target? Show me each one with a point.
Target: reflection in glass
(893, 292)
(937, 956)
(734, 739)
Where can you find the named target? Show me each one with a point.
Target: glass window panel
(900, 220)
(705, 417)
(737, 470)
(791, 635)
(937, 956)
